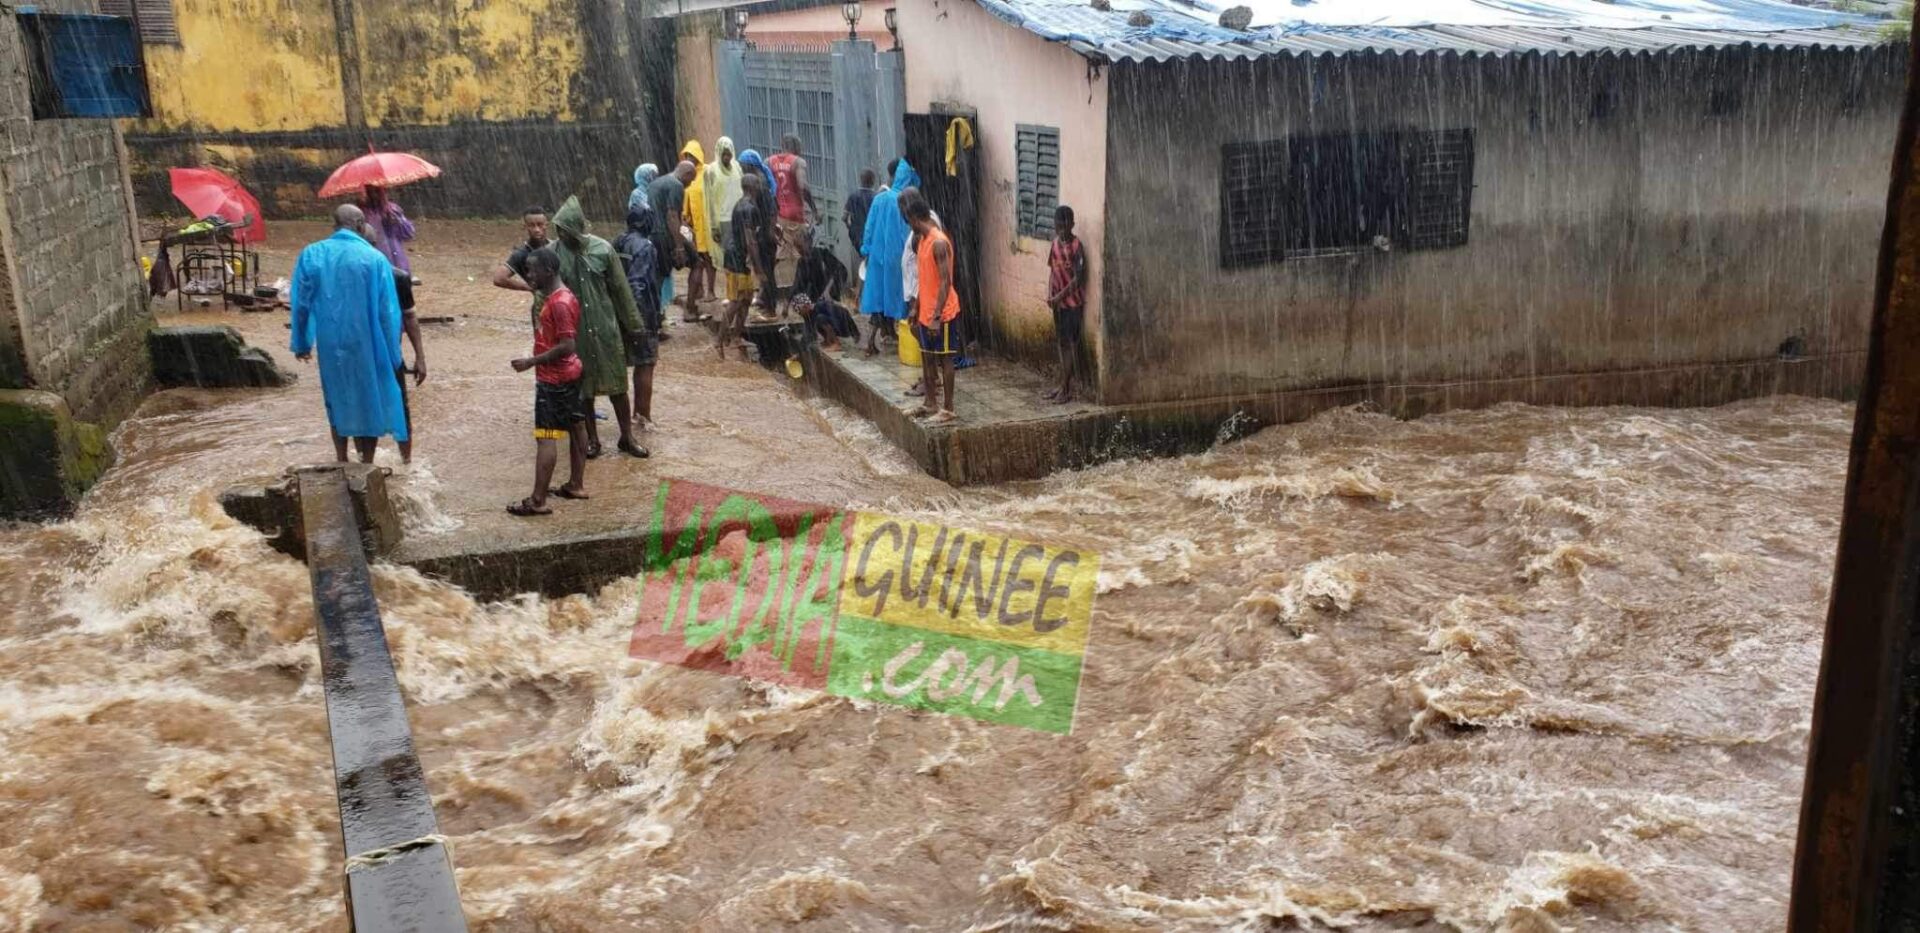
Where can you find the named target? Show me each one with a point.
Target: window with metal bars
(1037, 150)
(83, 65)
(1311, 195)
(157, 25)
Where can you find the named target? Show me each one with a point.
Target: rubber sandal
(632, 449)
(526, 509)
(594, 451)
(565, 493)
(945, 417)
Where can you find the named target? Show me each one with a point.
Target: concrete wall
(697, 105)
(73, 312)
(957, 53)
(517, 100)
(1651, 233)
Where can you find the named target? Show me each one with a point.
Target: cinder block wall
(73, 309)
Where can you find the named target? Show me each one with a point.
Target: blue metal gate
(845, 104)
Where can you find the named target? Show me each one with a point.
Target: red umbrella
(207, 191)
(380, 169)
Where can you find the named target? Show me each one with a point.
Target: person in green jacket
(609, 320)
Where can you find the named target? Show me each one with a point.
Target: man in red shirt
(793, 197)
(557, 412)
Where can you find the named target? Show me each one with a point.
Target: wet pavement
(473, 447)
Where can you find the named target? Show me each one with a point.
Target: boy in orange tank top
(938, 308)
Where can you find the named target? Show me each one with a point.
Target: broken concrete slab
(273, 508)
(211, 357)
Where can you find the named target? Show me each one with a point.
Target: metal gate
(844, 103)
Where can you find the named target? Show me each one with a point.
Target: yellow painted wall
(437, 61)
(246, 66)
(266, 65)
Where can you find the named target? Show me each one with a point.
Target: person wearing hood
(641, 258)
(700, 264)
(883, 298)
(721, 182)
(609, 320)
(643, 178)
(752, 160)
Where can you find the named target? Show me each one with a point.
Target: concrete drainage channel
(399, 874)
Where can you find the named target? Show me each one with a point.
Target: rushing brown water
(1515, 669)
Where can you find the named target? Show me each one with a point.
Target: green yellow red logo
(866, 605)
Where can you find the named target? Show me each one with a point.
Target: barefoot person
(700, 275)
(793, 199)
(557, 411)
(1067, 296)
(937, 308)
(749, 261)
(345, 310)
(591, 270)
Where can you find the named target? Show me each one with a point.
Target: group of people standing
(742, 228)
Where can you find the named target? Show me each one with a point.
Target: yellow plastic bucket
(909, 344)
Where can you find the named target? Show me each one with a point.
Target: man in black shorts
(557, 411)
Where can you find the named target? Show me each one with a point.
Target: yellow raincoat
(695, 210)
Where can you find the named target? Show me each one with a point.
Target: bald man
(668, 194)
(347, 311)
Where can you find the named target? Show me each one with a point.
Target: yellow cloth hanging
(959, 136)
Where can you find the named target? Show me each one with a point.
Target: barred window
(82, 65)
(157, 26)
(1309, 195)
(1037, 149)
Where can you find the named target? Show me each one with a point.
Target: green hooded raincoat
(592, 270)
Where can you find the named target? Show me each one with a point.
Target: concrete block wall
(73, 309)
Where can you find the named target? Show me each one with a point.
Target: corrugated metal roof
(1554, 27)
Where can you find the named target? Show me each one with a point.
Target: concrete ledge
(991, 451)
(47, 459)
(211, 357)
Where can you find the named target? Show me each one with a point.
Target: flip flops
(632, 449)
(526, 509)
(563, 492)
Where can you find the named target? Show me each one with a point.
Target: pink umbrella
(207, 191)
(380, 169)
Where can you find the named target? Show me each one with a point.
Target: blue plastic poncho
(642, 179)
(346, 311)
(751, 159)
(885, 239)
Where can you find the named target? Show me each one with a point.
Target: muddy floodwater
(1515, 669)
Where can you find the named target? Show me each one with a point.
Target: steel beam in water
(1858, 862)
(398, 873)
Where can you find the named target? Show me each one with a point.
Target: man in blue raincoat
(883, 298)
(346, 309)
